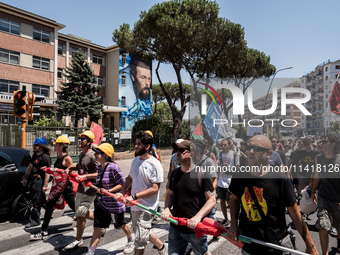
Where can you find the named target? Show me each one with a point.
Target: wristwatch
(134, 196)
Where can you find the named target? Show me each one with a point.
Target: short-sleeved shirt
(329, 187)
(144, 173)
(113, 176)
(174, 162)
(274, 193)
(189, 195)
(308, 161)
(227, 160)
(87, 165)
(207, 165)
(275, 159)
(39, 161)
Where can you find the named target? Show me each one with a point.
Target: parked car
(14, 197)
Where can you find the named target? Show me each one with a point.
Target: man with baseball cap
(192, 197)
(87, 168)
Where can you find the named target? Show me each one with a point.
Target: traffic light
(19, 103)
(32, 98)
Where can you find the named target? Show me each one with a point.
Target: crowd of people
(258, 182)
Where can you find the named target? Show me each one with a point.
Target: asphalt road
(14, 239)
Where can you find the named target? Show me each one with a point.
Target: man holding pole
(263, 195)
(146, 176)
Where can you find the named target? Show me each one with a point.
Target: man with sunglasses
(87, 168)
(273, 193)
(327, 183)
(191, 194)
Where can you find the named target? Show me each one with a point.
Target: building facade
(33, 56)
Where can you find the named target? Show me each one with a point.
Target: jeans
(178, 242)
(36, 194)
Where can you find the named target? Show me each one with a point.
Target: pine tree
(78, 97)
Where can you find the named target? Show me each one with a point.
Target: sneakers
(333, 232)
(305, 216)
(39, 236)
(215, 239)
(164, 251)
(225, 223)
(156, 218)
(129, 247)
(29, 225)
(74, 244)
(103, 232)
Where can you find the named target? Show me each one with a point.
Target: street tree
(78, 96)
(163, 111)
(187, 34)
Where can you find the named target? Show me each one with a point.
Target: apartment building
(292, 112)
(33, 56)
(320, 82)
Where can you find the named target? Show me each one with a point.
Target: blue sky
(297, 33)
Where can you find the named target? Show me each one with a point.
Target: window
(41, 63)
(123, 80)
(60, 49)
(100, 81)
(326, 78)
(123, 102)
(326, 69)
(326, 96)
(41, 35)
(302, 81)
(326, 105)
(8, 86)
(8, 56)
(336, 76)
(74, 50)
(123, 60)
(97, 60)
(9, 26)
(41, 90)
(60, 73)
(337, 67)
(326, 87)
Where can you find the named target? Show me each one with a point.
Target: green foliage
(47, 122)
(335, 126)
(78, 97)
(163, 111)
(185, 128)
(154, 124)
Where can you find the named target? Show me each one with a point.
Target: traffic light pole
(23, 133)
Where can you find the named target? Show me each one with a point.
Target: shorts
(141, 225)
(326, 209)
(178, 242)
(83, 203)
(223, 193)
(102, 218)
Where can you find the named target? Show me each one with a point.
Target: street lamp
(270, 85)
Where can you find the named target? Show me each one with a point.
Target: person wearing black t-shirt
(306, 163)
(37, 179)
(273, 192)
(192, 197)
(328, 185)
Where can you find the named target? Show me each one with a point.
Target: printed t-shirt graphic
(249, 204)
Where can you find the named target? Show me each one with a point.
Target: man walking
(87, 168)
(37, 179)
(328, 187)
(192, 197)
(263, 197)
(146, 176)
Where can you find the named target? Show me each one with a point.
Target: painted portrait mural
(135, 89)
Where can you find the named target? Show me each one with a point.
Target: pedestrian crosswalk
(16, 240)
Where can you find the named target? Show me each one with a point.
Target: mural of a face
(142, 80)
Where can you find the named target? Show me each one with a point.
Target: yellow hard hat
(62, 139)
(149, 132)
(106, 148)
(89, 134)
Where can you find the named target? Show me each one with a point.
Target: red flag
(198, 131)
(334, 100)
(98, 133)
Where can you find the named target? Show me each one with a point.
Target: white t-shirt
(227, 160)
(144, 173)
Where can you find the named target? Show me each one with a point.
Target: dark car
(14, 197)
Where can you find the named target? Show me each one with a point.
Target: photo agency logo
(238, 101)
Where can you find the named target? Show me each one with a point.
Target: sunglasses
(257, 148)
(181, 150)
(274, 141)
(81, 138)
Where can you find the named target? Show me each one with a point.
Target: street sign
(125, 135)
